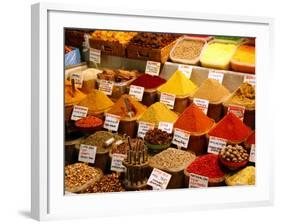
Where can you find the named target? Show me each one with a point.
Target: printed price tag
(253, 153)
(216, 144)
(111, 122)
(116, 163)
(237, 110)
(78, 79)
(158, 179)
(79, 112)
(202, 104)
(185, 69)
(181, 138)
(216, 75)
(136, 91)
(197, 181)
(152, 68)
(166, 126)
(106, 86)
(95, 55)
(168, 99)
(87, 153)
(143, 128)
(251, 79)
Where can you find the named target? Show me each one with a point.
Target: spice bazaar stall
(155, 111)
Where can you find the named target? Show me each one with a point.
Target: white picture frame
(48, 200)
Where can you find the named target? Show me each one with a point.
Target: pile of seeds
(234, 153)
(188, 49)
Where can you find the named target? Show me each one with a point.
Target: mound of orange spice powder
(88, 122)
(193, 120)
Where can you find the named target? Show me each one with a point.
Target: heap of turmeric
(72, 96)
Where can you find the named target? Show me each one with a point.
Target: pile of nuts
(79, 174)
(108, 183)
(158, 137)
(234, 153)
(188, 49)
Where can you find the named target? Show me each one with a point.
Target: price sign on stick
(197, 181)
(137, 92)
(106, 86)
(251, 79)
(166, 126)
(252, 157)
(144, 127)
(216, 75)
(216, 144)
(116, 163)
(152, 68)
(158, 179)
(78, 79)
(111, 122)
(185, 69)
(95, 55)
(202, 104)
(237, 110)
(79, 112)
(168, 99)
(181, 138)
(87, 153)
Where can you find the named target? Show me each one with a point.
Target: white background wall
(15, 110)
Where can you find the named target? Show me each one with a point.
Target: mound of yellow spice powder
(245, 54)
(69, 97)
(178, 84)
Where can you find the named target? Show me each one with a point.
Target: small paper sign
(158, 179)
(95, 55)
(166, 126)
(144, 127)
(116, 163)
(152, 68)
(237, 110)
(197, 181)
(251, 79)
(168, 99)
(202, 104)
(252, 157)
(87, 153)
(216, 144)
(216, 75)
(106, 86)
(78, 79)
(137, 92)
(79, 112)
(185, 69)
(181, 138)
(111, 122)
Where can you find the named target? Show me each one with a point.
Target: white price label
(168, 99)
(87, 153)
(181, 138)
(253, 153)
(197, 181)
(251, 79)
(136, 91)
(144, 127)
(186, 70)
(111, 122)
(202, 104)
(106, 86)
(158, 179)
(216, 144)
(216, 75)
(78, 79)
(237, 110)
(79, 112)
(116, 163)
(95, 55)
(166, 126)
(152, 68)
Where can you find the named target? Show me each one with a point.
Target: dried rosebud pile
(158, 137)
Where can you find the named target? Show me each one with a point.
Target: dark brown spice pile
(158, 137)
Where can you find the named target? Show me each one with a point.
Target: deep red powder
(207, 165)
(148, 81)
(252, 139)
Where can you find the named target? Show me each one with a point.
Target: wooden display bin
(108, 47)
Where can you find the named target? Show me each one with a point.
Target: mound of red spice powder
(231, 128)
(252, 139)
(207, 165)
(194, 120)
(148, 81)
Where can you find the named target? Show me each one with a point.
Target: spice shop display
(173, 161)
(196, 124)
(151, 46)
(234, 157)
(79, 176)
(136, 163)
(244, 59)
(215, 93)
(246, 176)
(157, 140)
(149, 83)
(206, 166)
(187, 50)
(245, 98)
(179, 86)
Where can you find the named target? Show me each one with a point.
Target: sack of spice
(173, 161)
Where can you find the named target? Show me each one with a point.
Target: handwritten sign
(237, 110)
(116, 163)
(95, 55)
(181, 138)
(216, 75)
(198, 181)
(106, 86)
(216, 144)
(251, 79)
(186, 70)
(252, 157)
(137, 92)
(143, 128)
(87, 153)
(152, 68)
(111, 122)
(168, 99)
(202, 104)
(78, 79)
(166, 126)
(158, 179)
(79, 112)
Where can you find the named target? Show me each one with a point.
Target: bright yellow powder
(246, 54)
(245, 176)
(178, 84)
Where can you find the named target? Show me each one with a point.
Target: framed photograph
(148, 111)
